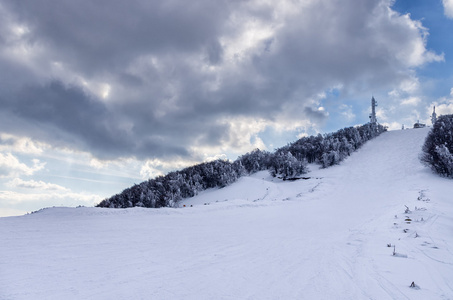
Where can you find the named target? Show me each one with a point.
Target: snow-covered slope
(327, 237)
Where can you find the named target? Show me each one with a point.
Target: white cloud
(411, 101)
(444, 105)
(12, 143)
(448, 8)
(8, 212)
(10, 166)
(98, 164)
(381, 114)
(346, 111)
(156, 167)
(151, 169)
(393, 125)
(413, 52)
(445, 108)
(32, 184)
(34, 201)
(243, 133)
(70, 197)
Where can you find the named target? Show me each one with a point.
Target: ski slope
(342, 234)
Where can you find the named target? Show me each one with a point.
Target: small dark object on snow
(407, 211)
(412, 284)
(296, 178)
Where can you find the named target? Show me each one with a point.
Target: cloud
(156, 167)
(445, 108)
(150, 169)
(89, 37)
(411, 101)
(11, 143)
(159, 80)
(7, 212)
(32, 184)
(395, 126)
(444, 105)
(347, 112)
(10, 166)
(448, 8)
(27, 202)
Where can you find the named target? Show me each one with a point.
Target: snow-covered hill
(365, 229)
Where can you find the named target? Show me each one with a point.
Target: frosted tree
(438, 147)
(445, 160)
(286, 166)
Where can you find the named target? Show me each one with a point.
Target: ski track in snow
(329, 237)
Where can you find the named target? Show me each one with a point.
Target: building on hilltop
(419, 125)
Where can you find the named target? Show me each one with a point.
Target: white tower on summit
(373, 119)
(434, 116)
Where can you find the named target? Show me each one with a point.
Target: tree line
(287, 162)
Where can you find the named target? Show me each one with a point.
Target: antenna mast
(434, 116)
(373, 119)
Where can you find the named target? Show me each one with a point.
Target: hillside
(288, 162)
(325, 237)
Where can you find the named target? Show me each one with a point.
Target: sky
(98, 95)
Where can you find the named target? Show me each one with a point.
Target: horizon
(94, 100)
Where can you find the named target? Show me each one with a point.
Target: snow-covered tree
(286, 166)
(438, 147)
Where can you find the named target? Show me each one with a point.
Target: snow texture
(365, 229)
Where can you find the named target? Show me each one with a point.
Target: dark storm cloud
(345, 46)
(215, 52)
(315, 114)
(177, 72)
(66, 116)
(97, 35)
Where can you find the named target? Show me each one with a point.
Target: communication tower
(373, 119)
(434, 116)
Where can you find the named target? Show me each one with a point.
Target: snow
(327, 237)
